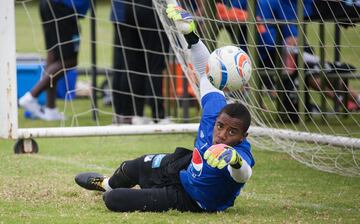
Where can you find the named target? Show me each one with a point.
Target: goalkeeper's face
(228, 130)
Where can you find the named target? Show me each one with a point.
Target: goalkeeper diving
(205, 179)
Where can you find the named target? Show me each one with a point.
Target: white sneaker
(136, 120)
(29, 103)
(52, 114)
(166, 120)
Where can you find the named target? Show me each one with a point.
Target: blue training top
(80, 6)
(212, 188)
(281, 10)
(118, 10)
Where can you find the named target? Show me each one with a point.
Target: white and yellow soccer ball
(229, 68)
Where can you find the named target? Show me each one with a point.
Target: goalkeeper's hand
(221, 155)
(183, 20)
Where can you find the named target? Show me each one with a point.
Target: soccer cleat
(90, 181)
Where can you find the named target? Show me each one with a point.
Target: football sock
(105, 184)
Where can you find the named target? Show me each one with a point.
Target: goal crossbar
(183, 128)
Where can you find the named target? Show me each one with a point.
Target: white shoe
(29, 103)
(136, 120)
(166, 120)
(52, 114)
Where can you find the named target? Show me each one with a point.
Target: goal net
(303, 110)
(303, 95)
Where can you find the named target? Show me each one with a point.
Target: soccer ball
(228, 68)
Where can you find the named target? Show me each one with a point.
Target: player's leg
(62, 42)
(314, 82)
(132, 81)
(156, 43)
(146, 171)
(149, 200)
(151, 170)
(52, 73)
(137, 82)
(119, 68)
(68, 40)
(140, 171)
(29, 100)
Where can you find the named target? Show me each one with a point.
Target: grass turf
(41, 189)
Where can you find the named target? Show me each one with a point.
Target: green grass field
(40, 188)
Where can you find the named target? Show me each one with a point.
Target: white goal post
(8, 108)
(323, 150)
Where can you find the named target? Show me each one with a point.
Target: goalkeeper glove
(183, 20)
(221, 155)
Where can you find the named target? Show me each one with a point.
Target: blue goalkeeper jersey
(212, 188)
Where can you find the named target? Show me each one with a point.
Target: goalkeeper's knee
(122, 177)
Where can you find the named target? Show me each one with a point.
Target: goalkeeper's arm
(199, 57)
(221, 155)
(199, 52)
(240, 174)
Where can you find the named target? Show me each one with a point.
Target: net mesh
(321, 99)
(278, 103)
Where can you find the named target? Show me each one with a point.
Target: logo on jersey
(197, 163)
(148, 158)
(157, 160)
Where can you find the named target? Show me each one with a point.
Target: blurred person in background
(61, 31)
(286, 11)
(140, 46)
(268, 42)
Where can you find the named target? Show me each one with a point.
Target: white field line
(75, 163)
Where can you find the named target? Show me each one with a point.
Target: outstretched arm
(242, 174)
(221, 155)
(199, 58)
(199, 53)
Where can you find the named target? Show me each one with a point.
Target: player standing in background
(207, 179)
(140, 44)
(61, 30)
(286, 11)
